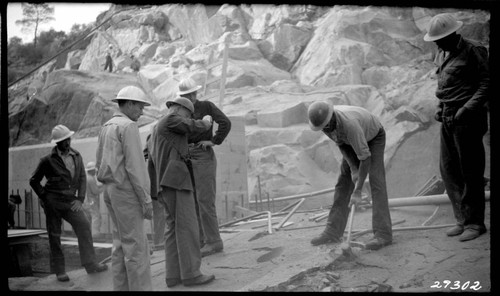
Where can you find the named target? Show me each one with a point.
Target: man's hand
(76, 206)
(355, 199)
(205, 144)
(438, 116)
(147, 210)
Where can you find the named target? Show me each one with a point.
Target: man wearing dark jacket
(205, 165)
(463, 92)
(171, 182)
(62, 197)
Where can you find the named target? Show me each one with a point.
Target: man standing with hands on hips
(463, 92)
(205, 165)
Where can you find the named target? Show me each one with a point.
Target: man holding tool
(361, 140)
(463, 92)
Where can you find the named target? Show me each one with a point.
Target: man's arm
(82, 189)
(223, 122)
(182, 125)
(479, 56)
(36, 178)
(135, 166)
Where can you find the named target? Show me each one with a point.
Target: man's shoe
(62, 277)
(470, 234)
(324, 239)
(199, 280)
(172, 282)
(95, 267)
(209, 249)
(455, 230)
(377, 243)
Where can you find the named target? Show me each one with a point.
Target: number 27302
(456, 285)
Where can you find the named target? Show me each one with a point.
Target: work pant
(130, 255)
(108, 64)
(205, 172)
(182, 246)
(462, 164)
(381, 216)
(92, 206)
(158, 224)
(58, 207)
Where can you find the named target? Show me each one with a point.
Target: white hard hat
(60, 133)
(186, 103)
(187, 86)
(131, 93)
(319, 113)
(442, 25)
(90, 166)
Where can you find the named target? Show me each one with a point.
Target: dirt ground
(254, 260)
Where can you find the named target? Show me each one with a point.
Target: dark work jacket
(202, 108)
(463, 76)
(166, 150)
(58, 177)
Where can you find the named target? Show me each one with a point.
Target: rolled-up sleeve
(135, 166)
(357, 140)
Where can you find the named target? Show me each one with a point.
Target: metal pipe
(291, 213)
(310, 194)
(424, 200)
(269, 222)
(423, 227)
(360, 233)
(242, 219)
(431, 216)
(288, 207)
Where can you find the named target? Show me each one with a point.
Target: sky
(65, 14)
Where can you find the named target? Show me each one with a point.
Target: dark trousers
(205, 171)
(339, 213)
(182, 241)
(58, 207)
(109, 64)
(462, 163)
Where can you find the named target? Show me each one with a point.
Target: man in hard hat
(121, 167)
(361, 139)
(92, 200)
(62, 196)
(109, 61)
(168, 165)
(463, 93)
(205, 165)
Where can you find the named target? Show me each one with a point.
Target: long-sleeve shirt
(119, 156)
(202, 108)
(168, 146)
(59, 178)
(355, 126)
(463, 75)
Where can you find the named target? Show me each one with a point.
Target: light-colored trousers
(182, 245)
(130, 259)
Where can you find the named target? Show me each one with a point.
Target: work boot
(324, 239)
(62, 277)
(199, 280)
(209, 249)
(470, 234)
(455, 230)
(95, 267)
(377, 243)
(172, 282)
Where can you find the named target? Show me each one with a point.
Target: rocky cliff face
(280, 59)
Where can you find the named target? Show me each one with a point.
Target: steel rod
(291, 213)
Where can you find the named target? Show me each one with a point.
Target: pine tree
(35, 14)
